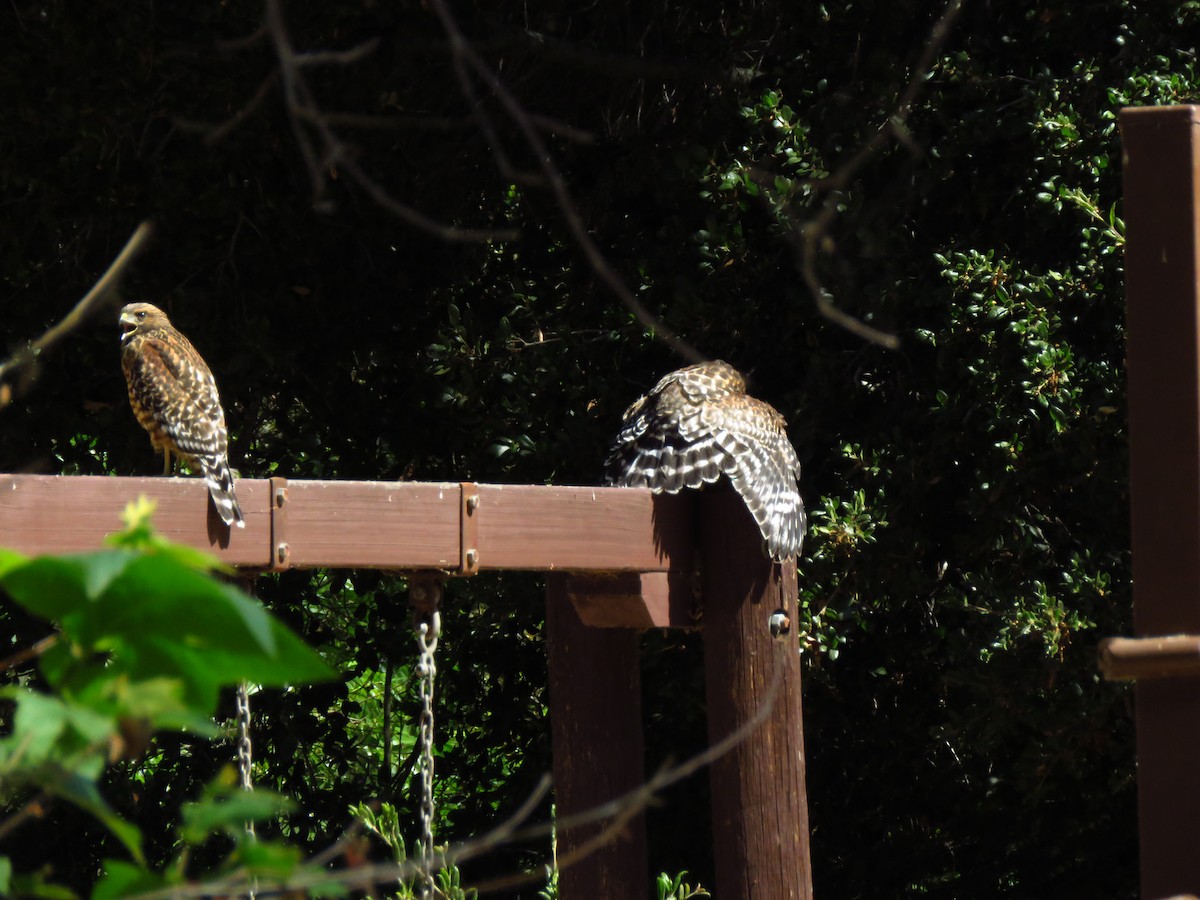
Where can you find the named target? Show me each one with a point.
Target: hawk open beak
(128, 325)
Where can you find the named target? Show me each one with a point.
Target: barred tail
(220, 488)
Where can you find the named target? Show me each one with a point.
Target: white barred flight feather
(698, 424)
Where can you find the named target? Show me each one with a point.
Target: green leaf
(55, 587)
(122, 879)
(46, 727)
(157, 597)
(229, 810)
(35, 885)
(155, 616)
(269, 859)
(10, 559)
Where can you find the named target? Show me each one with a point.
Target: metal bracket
(280, 551)
(468, 543)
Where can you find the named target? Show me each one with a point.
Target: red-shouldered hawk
(174, 396)
(698, 424)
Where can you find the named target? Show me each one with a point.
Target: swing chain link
(427, 626)
(245, 750)
(245, 758)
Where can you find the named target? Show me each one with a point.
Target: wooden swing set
(617, 561)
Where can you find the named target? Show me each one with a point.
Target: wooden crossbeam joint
(277, 503)
(468, 560)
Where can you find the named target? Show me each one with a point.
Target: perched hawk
(175, 399)
(696, 425)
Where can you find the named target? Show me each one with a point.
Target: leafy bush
(145, 637)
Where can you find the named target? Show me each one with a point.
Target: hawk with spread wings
(174, 396)
(698, 424)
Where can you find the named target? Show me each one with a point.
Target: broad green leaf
(123, 879)
(159, 702)
(56, 586)
(157, 597)
(229, 811)
(10, 559)
(35, 885)
(48, 728)
(268, 859)
(47, 586)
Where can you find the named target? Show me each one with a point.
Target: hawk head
(140, 318)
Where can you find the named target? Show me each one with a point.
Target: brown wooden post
(596, 728)
(1162, 206)
(760, 808)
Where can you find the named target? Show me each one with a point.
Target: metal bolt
(280, 496)
(779, 623)
(472, 558)
(472, 503)
(282, 552)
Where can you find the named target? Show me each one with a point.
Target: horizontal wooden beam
(359, 524)
(638, 600)
(1130, 659)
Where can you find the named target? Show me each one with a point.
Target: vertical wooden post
(760, 808)
(596, 728)
(1162, 206)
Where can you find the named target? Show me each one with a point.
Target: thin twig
(100, 290)
(812, 236)
(219, 133)
(323, 150)
(466, 57)
(29, 653)
(35, 808)
(337, 57)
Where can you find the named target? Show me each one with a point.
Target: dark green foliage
(968, 492)
(145, 636)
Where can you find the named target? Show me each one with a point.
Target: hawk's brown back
(174, 396)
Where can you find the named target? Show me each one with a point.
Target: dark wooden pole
(1162, 206)
(596, 728)
(760, 808)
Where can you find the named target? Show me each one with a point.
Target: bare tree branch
(812, 237)
(27, 356)
(467, 59)
(28, 653)
(327, 151)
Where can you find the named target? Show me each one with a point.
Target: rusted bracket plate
(1131, 659)
(278, 500)
(468, 559)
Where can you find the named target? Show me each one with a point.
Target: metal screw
(779, 623)
(282, 552)
(280, 496)
(472, 558)
(472, 503)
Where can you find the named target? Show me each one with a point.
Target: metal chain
(245, 750)
(428, 626)
(245, 757)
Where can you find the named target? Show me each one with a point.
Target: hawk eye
(141, 314)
